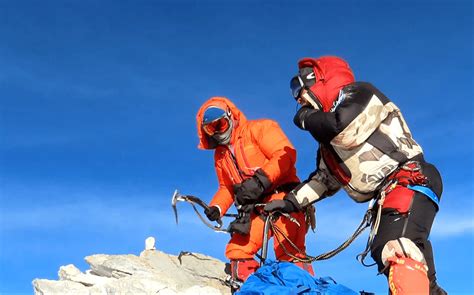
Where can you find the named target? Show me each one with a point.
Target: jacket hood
(331, 74)
(224, 103)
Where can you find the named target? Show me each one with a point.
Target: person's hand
(284, 206)
(248, 192)
(289, 204)
(213, 213)
(302, 114)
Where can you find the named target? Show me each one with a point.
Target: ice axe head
(176, 197)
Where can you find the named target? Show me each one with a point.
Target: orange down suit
(256, 144)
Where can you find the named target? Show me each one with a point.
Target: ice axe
(177, 197)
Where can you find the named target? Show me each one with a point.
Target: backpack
(286, 278)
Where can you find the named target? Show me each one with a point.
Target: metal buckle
(406, 166)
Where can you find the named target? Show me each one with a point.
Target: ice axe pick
(177, 197)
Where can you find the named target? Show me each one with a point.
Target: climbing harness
(370, 219)
(410, 176)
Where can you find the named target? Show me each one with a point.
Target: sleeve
(223, 199)
(276, 147)
(359, 114)
(320, 185)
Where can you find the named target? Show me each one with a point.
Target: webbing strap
(385, 144)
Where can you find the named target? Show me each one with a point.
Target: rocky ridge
(152, 272)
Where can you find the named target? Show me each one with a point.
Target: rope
(376, 223)
(215, 228)
(278, 233)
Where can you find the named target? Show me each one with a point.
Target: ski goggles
(296, 85)
(215, 120)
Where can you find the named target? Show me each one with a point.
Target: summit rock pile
(152, 272)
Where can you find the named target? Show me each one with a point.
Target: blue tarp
(286, 278)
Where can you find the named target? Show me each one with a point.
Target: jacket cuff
(219, 208)
(290, 197)
(308, 192)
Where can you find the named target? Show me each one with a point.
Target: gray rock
(153, 272)
(47, 287)
(72, 273)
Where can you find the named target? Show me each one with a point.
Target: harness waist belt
(426, 191)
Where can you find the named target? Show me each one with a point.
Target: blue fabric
(275, 278)
(426, 191)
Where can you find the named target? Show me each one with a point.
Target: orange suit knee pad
(407, 267)
(407, 276)
(242, 269)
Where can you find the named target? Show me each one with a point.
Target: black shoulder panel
(325, 126)
(322, 126)
(357, 97)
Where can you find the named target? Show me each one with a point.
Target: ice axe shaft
(264, 250)
(177, 197)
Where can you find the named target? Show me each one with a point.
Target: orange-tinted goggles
(220, 125)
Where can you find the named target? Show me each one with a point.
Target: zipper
(246, 162)
(233, 164)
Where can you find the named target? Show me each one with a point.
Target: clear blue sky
(97, 120)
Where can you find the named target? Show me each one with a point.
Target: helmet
(217, 124)
(323, 78)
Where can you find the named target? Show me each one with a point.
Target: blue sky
(97, 120)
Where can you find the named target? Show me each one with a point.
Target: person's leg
(241, 250)
(297, 235)
(435, 183)
(418, 230)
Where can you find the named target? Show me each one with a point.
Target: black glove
(287, 205)
(241, 225)
(250, 190)
(301, 115)
(212, 213)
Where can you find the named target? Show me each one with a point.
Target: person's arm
(319, 186)
(353, 121)
(276, 147)
(223, 199)
(280, 155)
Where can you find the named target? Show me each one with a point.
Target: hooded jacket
(254, 144)
(362, 141)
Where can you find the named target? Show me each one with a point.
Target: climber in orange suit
(255, 163)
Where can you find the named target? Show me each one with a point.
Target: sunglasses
(296, 85)
(220, 125)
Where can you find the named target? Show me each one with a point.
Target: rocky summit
(153, 272)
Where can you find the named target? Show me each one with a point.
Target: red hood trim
(332, 74)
